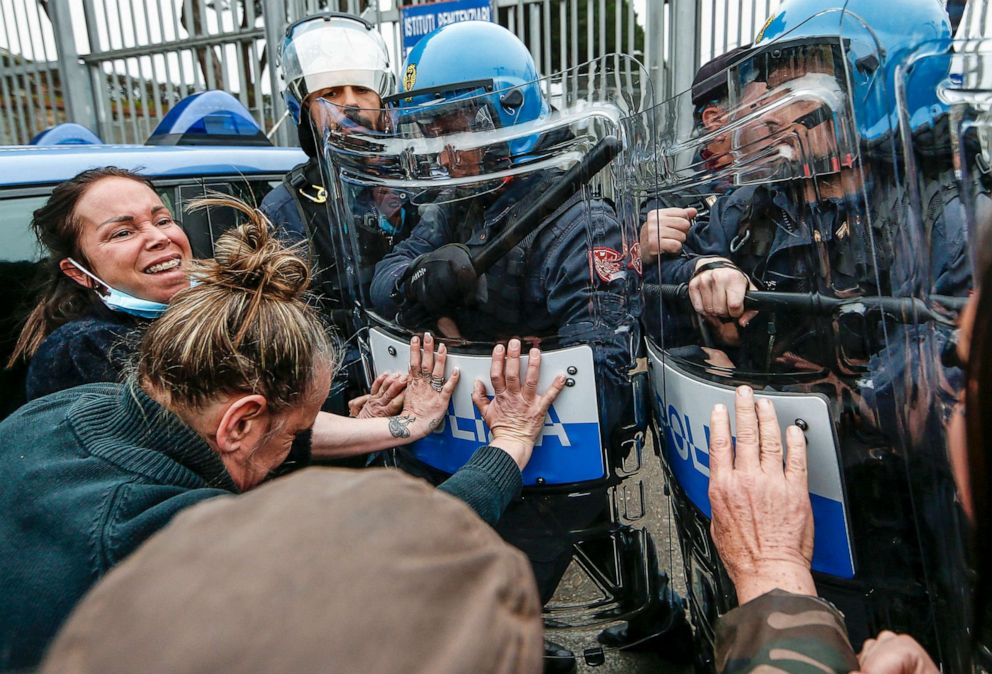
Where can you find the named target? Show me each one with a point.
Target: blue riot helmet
(477, 62)
(331, 50)
(877, 37)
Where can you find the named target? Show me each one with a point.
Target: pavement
(658, 520)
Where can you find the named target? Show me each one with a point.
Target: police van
(208, 142)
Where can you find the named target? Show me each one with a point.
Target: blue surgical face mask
(118, 300)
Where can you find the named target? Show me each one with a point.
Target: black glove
(441, 280)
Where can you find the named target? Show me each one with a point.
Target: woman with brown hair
(222, 385)
(115, 256)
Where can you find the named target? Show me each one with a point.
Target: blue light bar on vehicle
(66, 134)
(208, 118)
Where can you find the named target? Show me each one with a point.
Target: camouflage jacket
(781, 632)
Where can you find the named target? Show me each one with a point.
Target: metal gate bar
(143, 56)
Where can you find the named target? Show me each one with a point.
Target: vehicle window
(19, 259)
(204, 227)
(168, 196)
(17, 241)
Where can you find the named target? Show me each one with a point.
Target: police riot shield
(947, 149)
(482, 215)
(806, 279)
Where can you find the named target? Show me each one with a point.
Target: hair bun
(250, 258)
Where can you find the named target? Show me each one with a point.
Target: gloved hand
(441, 280)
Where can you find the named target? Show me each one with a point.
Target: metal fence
(118, 66)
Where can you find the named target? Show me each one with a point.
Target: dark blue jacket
(787, 258)
(279, 206)
(548, 284)
(787, 245)
(828, 247)
(89, 349)
(92, 472)
(736, 223)
(301, 221)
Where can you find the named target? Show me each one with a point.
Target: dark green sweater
(89, 473)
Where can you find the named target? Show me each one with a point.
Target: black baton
(908, 310)
(570, 182)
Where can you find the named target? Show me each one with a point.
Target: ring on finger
(437, 383)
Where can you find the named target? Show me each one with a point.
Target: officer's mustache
(353, 114)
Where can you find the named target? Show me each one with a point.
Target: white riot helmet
(331, 50)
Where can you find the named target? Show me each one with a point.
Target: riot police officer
(804, 207)
(535, 288)
(822, 214)
(572, 279)
(343, 60)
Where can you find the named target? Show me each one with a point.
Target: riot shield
(806, 280)
(484, 215)
(947, 151)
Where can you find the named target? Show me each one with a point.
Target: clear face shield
(485, 215)
(805, 278)
(458, 152)
(780, 167)
(949, 184)
(790, 114)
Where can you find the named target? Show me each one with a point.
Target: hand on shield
(441, 280)
(664, 231)
(384, 399)
(517, 412)
(427, 391)
(762, 517)
(891, 653)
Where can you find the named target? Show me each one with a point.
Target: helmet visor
(789, 106)
(330, 53)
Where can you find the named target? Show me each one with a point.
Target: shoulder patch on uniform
(635, 259)
(607, 262)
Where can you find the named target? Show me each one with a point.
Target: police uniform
(785, 248)
(297, 208)
(550, 283)
(319, 52)
(823, 249)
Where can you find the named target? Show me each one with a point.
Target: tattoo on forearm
(399, 426)
(435, 423)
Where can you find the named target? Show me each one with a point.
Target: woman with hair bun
(222, 383)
